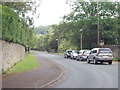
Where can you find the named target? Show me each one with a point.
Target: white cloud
(51, 11)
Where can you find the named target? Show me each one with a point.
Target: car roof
(99, 48)
(68, 50)
(84, 50)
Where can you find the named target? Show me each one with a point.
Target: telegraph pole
(81, 32)
(98, 31)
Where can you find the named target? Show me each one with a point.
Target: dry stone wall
(11, 54)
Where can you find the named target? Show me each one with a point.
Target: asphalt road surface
(79, 74)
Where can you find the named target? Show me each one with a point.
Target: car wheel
(95, 61)
(80, 59)
(110, 62)
(101, 62)
(74, 58)
(88, 61)
(77, 58)
(64, 56)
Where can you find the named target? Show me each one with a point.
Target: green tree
(15, 29)
(85, 15)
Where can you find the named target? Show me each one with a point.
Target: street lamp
(81, 32)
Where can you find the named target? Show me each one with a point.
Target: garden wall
(11, 53)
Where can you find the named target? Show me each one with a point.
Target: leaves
(15, 29)
(88, 16)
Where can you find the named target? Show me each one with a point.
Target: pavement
(47, 73)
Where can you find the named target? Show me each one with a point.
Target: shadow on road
(100, 64)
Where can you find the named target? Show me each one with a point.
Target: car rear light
(82, 54)
(98, 51)
(110, 50)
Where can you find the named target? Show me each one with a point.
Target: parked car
(83, 54)
(74, 54)
(100, 55)
(67, 53)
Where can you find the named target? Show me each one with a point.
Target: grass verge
(37, 51)
(115, 59)
(28, 63)
(57, 53)
(48, 52)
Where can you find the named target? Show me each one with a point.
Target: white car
(74, 54)
(100, 55)
(83, 54)
(67, 54)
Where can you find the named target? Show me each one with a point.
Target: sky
(51, 12)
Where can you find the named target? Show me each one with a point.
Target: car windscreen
(76, 52)
(87, 52)
(69, 52)
(105, 51)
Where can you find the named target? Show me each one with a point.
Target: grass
(115, 59)
(48, 52)
(57, 53)
(37, 51)
(28, 63)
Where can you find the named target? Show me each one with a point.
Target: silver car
(67, 54)
(83, 54)
(74, 54)
(100, 55)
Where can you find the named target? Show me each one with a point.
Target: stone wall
(115, 49)
(11, 54)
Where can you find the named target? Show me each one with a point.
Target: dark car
(83, 54)
(67, 54)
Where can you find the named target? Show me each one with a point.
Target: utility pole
(98, 31)
(57, 44)
(81, 32)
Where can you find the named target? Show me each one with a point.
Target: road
(82, 75)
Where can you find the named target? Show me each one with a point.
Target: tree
(23, 8)
(15, 29)
(84, 15)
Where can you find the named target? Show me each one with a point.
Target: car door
(91, 55)
(79, 55)
(94, 53)
(72, 54)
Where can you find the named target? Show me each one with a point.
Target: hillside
(42, 30)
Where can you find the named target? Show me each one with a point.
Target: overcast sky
(51, 11)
